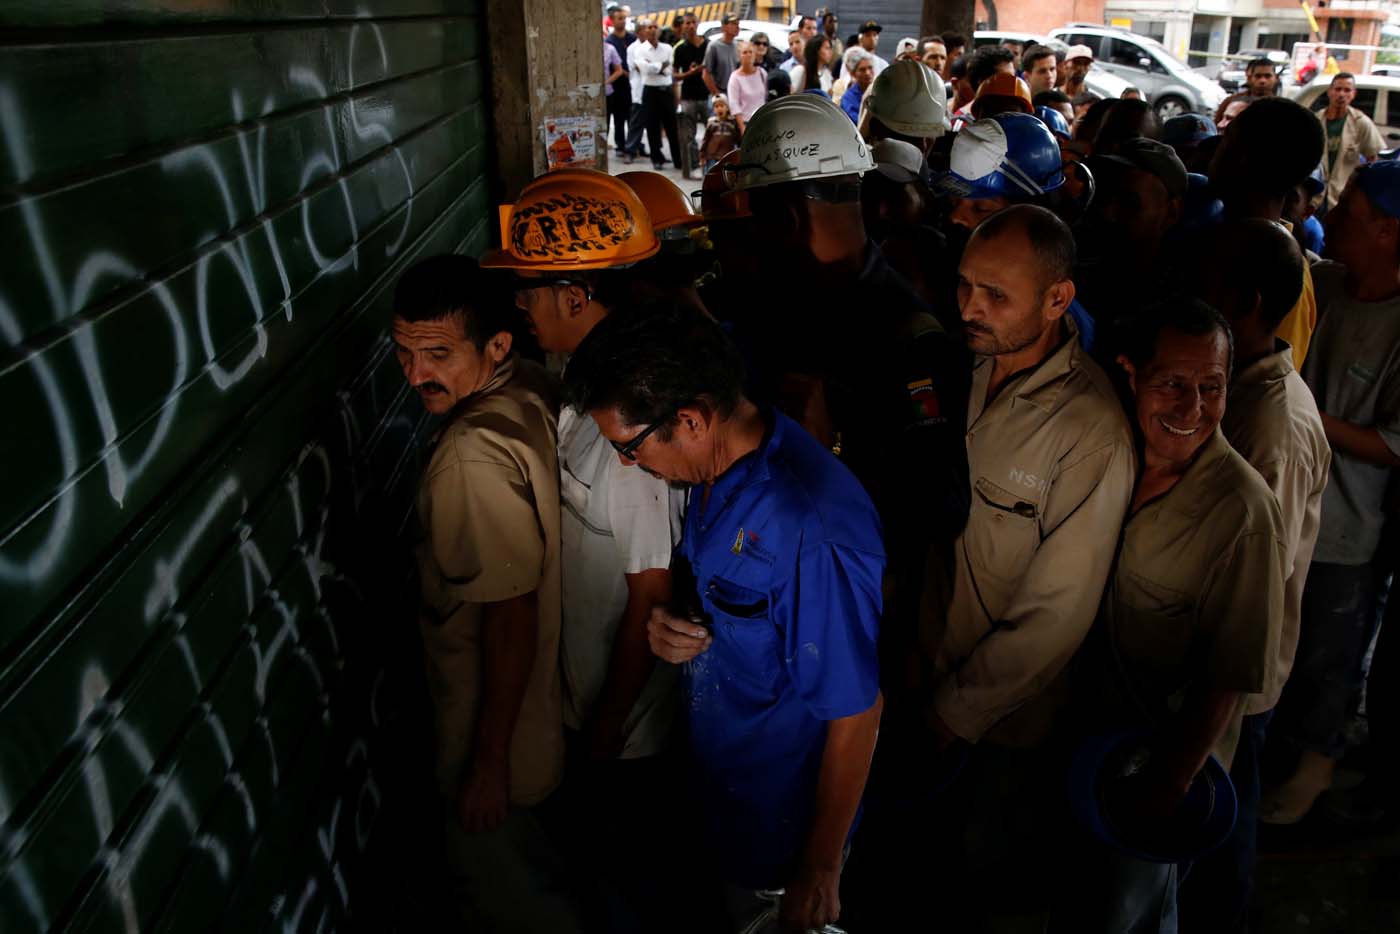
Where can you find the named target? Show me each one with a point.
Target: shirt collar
(1184, 496)
(503, 375)
(1041, 385)
(753, 466)
(874, 262)
(1269, 368)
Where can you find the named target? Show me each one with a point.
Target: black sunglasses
(759, 42)
(629, 450)
(520, 284)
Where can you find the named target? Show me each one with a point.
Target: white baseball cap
(906, 45)
(1079, 51)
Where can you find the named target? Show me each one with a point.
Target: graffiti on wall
(218, 328)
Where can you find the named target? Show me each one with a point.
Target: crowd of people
(1003, 570)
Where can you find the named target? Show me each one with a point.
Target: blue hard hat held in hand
(1009, 155)
(1102, 769)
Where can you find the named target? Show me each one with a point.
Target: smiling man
(1189, 627)
(488, 568)
(781, 678)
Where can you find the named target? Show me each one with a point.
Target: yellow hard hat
(669, 207)
(572, 219)
(1009, 92)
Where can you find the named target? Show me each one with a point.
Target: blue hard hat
(1316, 183)
(1200, 207)
(1009, 155)
(1380, 182)
(1202, 822)
(1054, 120)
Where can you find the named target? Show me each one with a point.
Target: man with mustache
(489, 571)
(1051, 464)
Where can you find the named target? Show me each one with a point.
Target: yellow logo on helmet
(568, 225)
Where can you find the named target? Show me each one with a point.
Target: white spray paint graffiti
(67, 296)
(66, 300)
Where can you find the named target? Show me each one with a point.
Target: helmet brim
(496, 258)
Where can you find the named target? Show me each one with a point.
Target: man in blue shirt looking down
(781, 677)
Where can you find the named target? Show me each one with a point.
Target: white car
(777, 32)
(1377, 96)
(1099, 80)
(1169, 86)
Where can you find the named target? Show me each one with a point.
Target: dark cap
(870, 26)
(1187, 129)
(728, 18)
(1154, 158)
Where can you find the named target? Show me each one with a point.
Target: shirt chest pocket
(1155, 622)
(1003, 531)
(745, 635)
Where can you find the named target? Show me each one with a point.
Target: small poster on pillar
(569, 141)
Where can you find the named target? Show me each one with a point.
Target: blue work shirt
(850, 101)
(788, 559)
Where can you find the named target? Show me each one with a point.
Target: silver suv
(1168, 85)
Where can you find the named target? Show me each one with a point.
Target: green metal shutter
(209, 454)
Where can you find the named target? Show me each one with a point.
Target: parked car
(1169, 86)
(1231, 76)
(1100, 81)
(1377, 96)
(777, 32)
(1388, 71)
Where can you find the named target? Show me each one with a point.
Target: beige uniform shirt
(1051, 465)
(1272, 421)
(1197, 594)
(489, 510)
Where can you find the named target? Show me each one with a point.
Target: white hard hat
(796, 138)
(909, 98)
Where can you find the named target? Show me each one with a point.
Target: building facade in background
(1207, 28)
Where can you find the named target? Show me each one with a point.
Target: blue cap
(1380, 182)
(1187, 129)
(1054, 120)
(1315, 183)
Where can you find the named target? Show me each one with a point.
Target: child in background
(721, 133)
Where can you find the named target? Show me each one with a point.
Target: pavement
(1324, 877)
(643, 164)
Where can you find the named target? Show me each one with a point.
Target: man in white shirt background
(651, 65)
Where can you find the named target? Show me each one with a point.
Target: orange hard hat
(1011, 91)
(669, 206)
(718, 199)
(572, 219)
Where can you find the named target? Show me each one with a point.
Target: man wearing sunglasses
(781, 678)
(619, 527)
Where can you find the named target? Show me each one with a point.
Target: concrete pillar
(1249, 35)
(546, 80)
(1177, 37)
